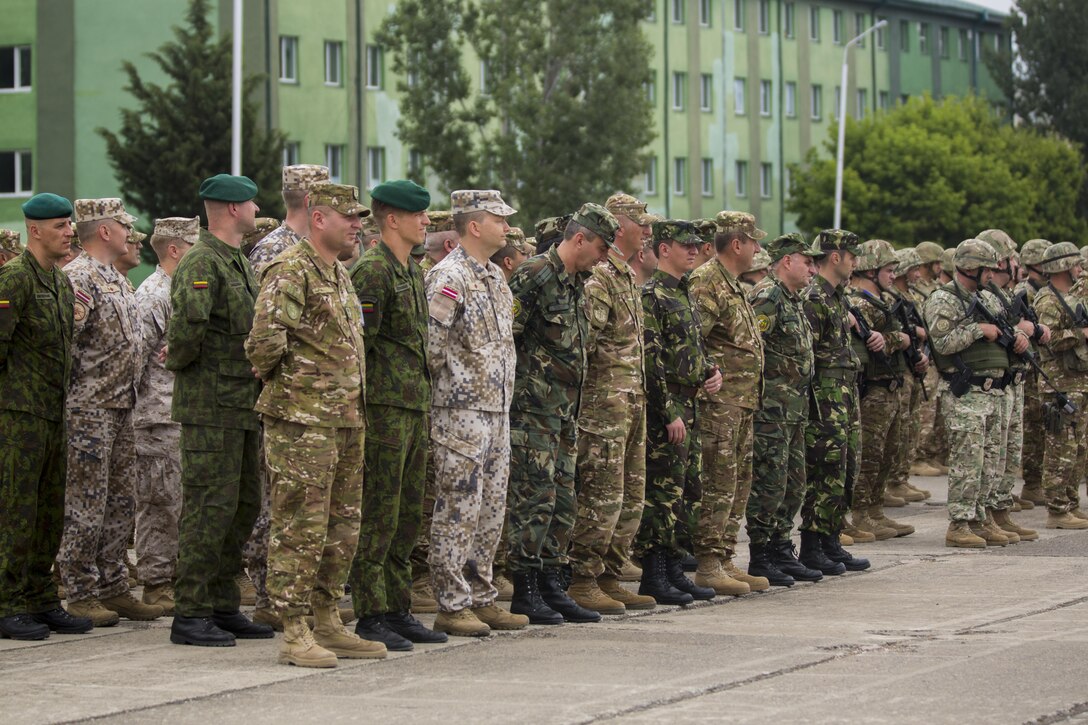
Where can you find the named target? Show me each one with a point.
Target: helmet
(948, 265)
(1032, 252)
(974, 253)
(761, 261)
(1060, 257)
(908, 260)
(1000, 241)
(874, 254)
(929, 252)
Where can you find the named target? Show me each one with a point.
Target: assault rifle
(908, 316)
(863, 332)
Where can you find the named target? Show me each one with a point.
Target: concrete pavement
(929, 634)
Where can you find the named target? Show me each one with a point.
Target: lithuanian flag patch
(4, 304)
(200, 284)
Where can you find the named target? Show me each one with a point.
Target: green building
(742, 88)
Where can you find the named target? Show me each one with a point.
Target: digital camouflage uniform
(35, 367)
(212, 296)
(472, 360)
(278, 241)
(158, 441)
(1012, 445)
(398, 403)
(930, 444)
(99, 504)
(307, 344)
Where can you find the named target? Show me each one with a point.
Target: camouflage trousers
(911, 398)
(396, 468)
(540, 501)
(1065, 461)
(158, 502)
(220, 497)
(610, 482)
(316, 482)
(932, 433)
(422, 550)
(882, 412)
(726, 436)
(32, 476)
(831, 453)
(1034, 434)
(99, 504)
(778, 478)
(671, 468)
(975, 434)
(1012, 447)
(472, 467)
(255, 550)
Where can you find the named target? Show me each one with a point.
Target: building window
(963, 44)
(791, 99)
(15, 68)
(742, 178)
(764, 17)
(680, 172)
(904, 36)
(765, 98)
(788, 16)
(678, 11)
(814, 23)
(923, 38)
(706, 88)
(288, 59)
(838, 102)
(649, 185)
(738, 14)
(651, 91)
(290, 153)
(334, 53)
(679, 81)
(16, 173)
(704, 13)
(860, 27)
(334, 159)
(999, 40)
(415, 162)
(485, 86)
(766, 180)
(904, 98)
(738, 96)
(862, 103)
(816, 102)
(942, 42)
(375, 166)
(373, 66)
(880, 34)
(412, 76)
(787, 179)
(883, 99)
(708, 177)
(836, 27)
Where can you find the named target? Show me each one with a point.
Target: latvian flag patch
(200, 284)
(451, 293)
(83, 296)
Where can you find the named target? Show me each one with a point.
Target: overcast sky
(1002, 5)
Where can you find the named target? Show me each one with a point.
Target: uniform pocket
(235, 385)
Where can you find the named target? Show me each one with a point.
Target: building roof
(950, 7)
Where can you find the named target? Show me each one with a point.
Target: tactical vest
(894, 365)
(981, 354)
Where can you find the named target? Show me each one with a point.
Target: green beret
(224, 187)
(47, 206)
(402, 194)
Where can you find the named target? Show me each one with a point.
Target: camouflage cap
(179, 227)
(338, 197)
(948, 265)
(975, 253)
(929, 252)
(761, 261)
(262, 227)
(706, 229)
(301, 177)
(875, 254)
(516, 238)
(1000, 241)
(792, 243)
(600, 221)
(551, 227)
(89, 210)
(136, 237)
(1032, 251)
(630, 207)
(908, 260)
(838, 240)
(676, 230)
(1060, 257)
(441, 221)
(739, 221)
(466, 201)
(9, 241)
(370, 226)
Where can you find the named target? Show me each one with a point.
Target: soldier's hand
(853, 320)
(989, 331)
(162, 355)
(1084, 330)
(677, 431)
(1021, 343)
(875, 343)
(923, 363)
(714, 383)
(920, 332)
(1026, 327)
(256, 373)
(904, 340)
(1045, 338)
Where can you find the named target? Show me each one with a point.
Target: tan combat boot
(611, 586)
(585, 591)
(246, 590)
(858, 536)
(630, 571)
(990, 536)
(925, 493)
(504, 586)
(906, 493)
(299, 648)
(1005, 523)
(959, 536)
(924, 468)
(709, 573)
(93, 609)
(330, 634)
(1079, 514)
(1033, 494)
(498, 618)
(1064, 520)
(863, 522)
(892, 501)
(161, 594)
(991, 524)
(755, 583)
(423, 599)
(845, 539)
(876, 513)
(1021, 504)
(269, 616)
(126, 606)
(462, 623)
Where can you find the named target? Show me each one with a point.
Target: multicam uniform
(1034, 431)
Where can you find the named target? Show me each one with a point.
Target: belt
(987, 383)
(845, 374)
(892, 384)
(686, 390)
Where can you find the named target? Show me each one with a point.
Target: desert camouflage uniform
(158, 441)
(472, 360)
(611, 471)
(276, 243)
(733, 343)
(99, 507)
(1033, 425)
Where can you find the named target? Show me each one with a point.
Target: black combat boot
(407, 626)
(760, 564)
(835, 552)
(784, 555)
(674, 570)
(556, 597)
(813, 556)
(527, 600)
(655, 580)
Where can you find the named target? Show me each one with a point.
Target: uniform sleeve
(371, 287)
(13, 299)
(818, 316)
(523, 287)
(193, 291)
(657, 391)
(949, 332)
(154, 314)
(85, 301)
(702, 297)
(442, 314)
(766, 312)
(278, 310)
(1063, 335)
(598, 308)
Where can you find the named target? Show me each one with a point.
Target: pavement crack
(1061, 715)
(1023, 615)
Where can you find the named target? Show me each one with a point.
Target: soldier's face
(493, 229)
(747, 251)
(246, 213)
(117, 237)
(54, 235)
(412, 225)
(914, 275)
(886, 276)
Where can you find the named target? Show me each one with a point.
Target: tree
(180, 134)
(943, 170)
(562, 117)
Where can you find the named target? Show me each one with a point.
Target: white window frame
(944, 40)
(17, 63)
(374, 70)
(679, 83)
(766, 95)
(415, 161)
(764, 17)
(790, 100)
(705, 14)
(789, 20)
(680, 172)
(739, 90)
(334, 160)
(738, 14)
(334, 63)
(23, 187)
(814, 23)
(860, 26)
(816, 102)
(678, 12)
(650, 87)
(649, 184)
(742, 179)
(706, 91)
(766, 180)
(289, 59)
(883, 100)
(707, 177)
(836, 27)
(375, 166)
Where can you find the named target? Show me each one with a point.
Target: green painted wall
(18, 109)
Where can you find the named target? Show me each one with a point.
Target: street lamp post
(842, 122)
(236, 94)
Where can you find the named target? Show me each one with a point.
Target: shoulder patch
(200, 284)
(516, 311)
(943, 325)
(79, 312)
(368, 303)
(451, 293)
(443, 308)
(82, 296)
(763, 322)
